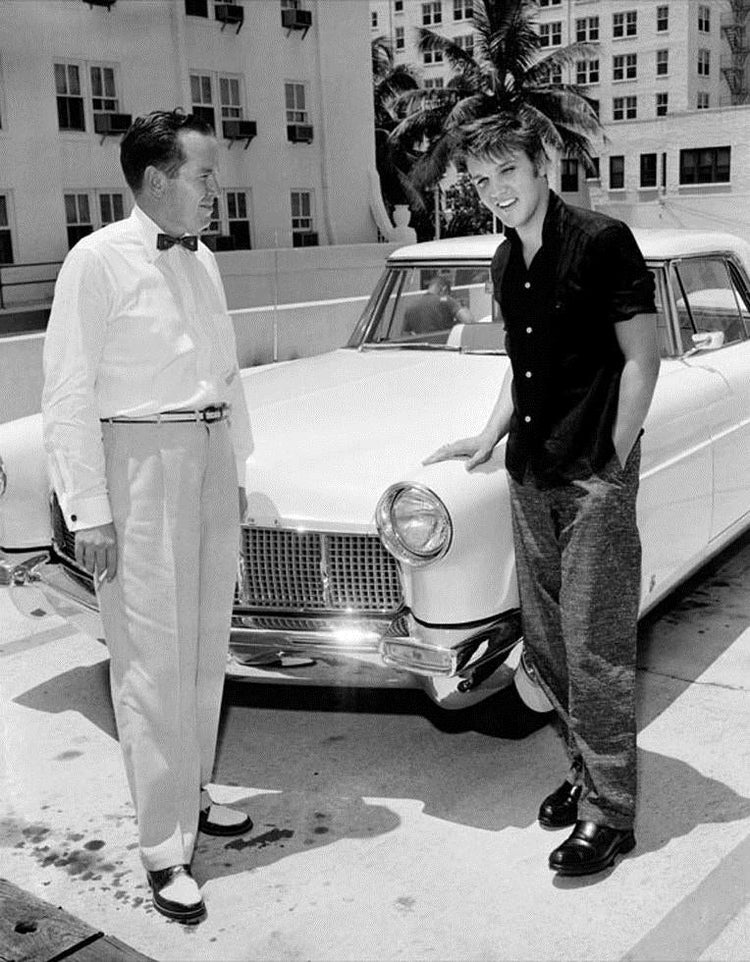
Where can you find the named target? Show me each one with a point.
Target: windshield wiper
(408, 346)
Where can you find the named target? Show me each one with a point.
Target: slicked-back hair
(503, 133)
(153, 139)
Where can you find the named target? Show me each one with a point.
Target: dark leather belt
(214, 412)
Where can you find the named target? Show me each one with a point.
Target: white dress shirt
(133, 331)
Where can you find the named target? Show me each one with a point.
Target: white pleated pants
(166, 616)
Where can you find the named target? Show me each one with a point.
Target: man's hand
(243, 504)
(96, 551)
(476, 450)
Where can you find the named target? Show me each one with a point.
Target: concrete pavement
(378, 836)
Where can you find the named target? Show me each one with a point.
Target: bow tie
(188, 241)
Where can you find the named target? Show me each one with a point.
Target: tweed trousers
(166, 615)
(578, 558)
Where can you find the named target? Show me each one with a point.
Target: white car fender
(24, 507)
(476, 578)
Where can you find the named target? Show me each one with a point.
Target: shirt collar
(148, 230)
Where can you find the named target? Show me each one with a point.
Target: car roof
(655, 243)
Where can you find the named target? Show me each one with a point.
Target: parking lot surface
(378, 835)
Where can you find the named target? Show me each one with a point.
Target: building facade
(282, 82)
(683, 62)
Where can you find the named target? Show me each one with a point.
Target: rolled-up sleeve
(622, 273)
(72, 350)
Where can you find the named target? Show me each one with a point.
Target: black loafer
(208, 827)
(561, 807)
(590, 848)
(189, 913)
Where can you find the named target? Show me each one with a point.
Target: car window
(709, 300)
(667, 347)
(435, 305)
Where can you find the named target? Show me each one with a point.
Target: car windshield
(432, 306)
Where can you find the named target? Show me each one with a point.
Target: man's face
(510, 185)
(189, 196)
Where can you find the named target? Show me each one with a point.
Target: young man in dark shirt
(578, 305)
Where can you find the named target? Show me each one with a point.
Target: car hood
(332, 432)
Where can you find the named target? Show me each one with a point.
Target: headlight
(413, 524)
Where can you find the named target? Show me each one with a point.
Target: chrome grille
(317, 571)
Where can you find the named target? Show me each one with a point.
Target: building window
(296, 109)
(594, 173)
(373, 18)
(625, 66)
(662, 63)
(704, 62)
(648, 170)
(238, 219)
(625, 108)
(201, 92)
(587, 72)
(569, 175)
(433, 83)
(69, 96)
(432, 56)
(400, 42)
(290, 4)
(111, 207)
(704, 19)
(551, 74)
(550, 3)
(77, 217)
(6, 238)
(230, 98)
(625, 24)
(302, 219)
(465, 42)
(550, 34)
(662, 104)
(616, 172)
(398, 6)
(587, 29)
(196, 8)
(103, 90)
(463, 9)
(432, 13)
(705, 165)
(662, 18)
(704, 100)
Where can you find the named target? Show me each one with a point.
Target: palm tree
(393, 160)
(507, 72)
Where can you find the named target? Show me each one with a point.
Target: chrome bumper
(454, 666)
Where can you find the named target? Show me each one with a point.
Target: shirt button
(529, 330)
(528, 374)
(527, 419)
(74, 517)
(527, 285)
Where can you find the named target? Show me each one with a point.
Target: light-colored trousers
(166, 616)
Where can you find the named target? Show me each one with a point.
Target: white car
(359, 565)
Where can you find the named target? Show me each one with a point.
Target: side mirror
(707, 340)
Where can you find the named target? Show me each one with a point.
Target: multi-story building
(270, 75)
(644, 61)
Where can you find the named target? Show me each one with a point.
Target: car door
(714, 310)
(676, 492)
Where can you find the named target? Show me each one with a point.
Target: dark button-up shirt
(560, 315)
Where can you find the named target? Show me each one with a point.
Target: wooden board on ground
(32, 930)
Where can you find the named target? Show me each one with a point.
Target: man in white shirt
(147, 432)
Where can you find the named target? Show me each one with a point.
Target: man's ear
(154, 181)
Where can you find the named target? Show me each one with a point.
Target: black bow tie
(188, 241)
